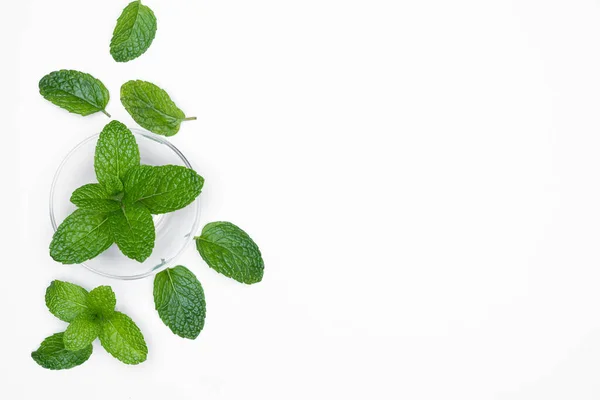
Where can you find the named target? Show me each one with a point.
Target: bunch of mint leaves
(118, 209)
(149, 105)
(90, 315)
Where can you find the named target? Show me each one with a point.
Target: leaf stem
(105, 113)
(190, 119)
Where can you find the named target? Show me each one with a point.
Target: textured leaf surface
(134, 32)
(81, 332)
(94, 197)
(162, 189)
(152, 108)
(133, 231)
(179, 300)
(116, 153)
(113, 184)
(53, 355)
(121, 337)
(75, 91)
(81, 236)
(102, 301)
(230, 251)
(66, 300)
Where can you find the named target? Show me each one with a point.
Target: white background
(422, 178)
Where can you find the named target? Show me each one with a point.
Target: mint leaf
(53, 355)
(134, 33)
(81, 236)
(81, 332)
(230, 251)
(94, 197)
(102, 301)
(116, 153)
(179, 300)
(75, 91)
(133, 231)
(152, 108)
(162, 189)
(121, 337)
(66, 300)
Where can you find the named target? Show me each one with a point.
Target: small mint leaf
(81, 332)
(102, 301)
(81, 236)
(133, 231)
(66, 300)
(75, 91)
(152, 108)
(52, 354)
(179, 300)
(230, 251)
(121, 337)
(116, 153)
(134, 32)
(94, 197)
(162, 189)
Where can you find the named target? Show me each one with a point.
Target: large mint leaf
(162, 189)
(152, 108)
(75, 91)
(102, 301)
(229, 250)
(81, 236)
(81, 332)
(66, 300)
(53, 355)
(134, 33)
(133, 231)
(116, 153)
(95, 197)
(179, 300)
(121, 337)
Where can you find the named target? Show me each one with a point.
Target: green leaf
(81, 236)
(179, 300)
(152, 108)
(116, 153)
(133, 231)
(81, 332)
(102, 301)
(121, 337)
(162, 189)
(230, 251)
(75, 91)
(94, 197)
(134, 33)
(66, 300)
(53, 355)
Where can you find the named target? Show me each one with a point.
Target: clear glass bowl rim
(195, 204)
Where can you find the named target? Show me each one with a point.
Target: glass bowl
(174, 231)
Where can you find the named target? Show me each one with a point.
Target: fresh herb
(119, 208)
(121, 337)
(134, 33)
(162, 189)
(230, 251)
(75, 91)
(116, 153)
(52, 354)
(179, 300)
(81, 236)
(152, 108)
(90, 315)
(95, 197)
